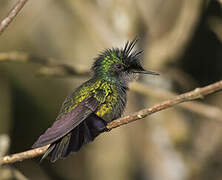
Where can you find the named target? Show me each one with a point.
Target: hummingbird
(100, 100)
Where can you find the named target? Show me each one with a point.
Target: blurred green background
(181, 40)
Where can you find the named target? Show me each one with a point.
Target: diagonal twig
(203, 109)
(189, 96)
(11, 15)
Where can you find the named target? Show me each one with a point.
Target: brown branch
(51, 67)
(23, 155)
(195, 94)
(11, 15)
(208, 111)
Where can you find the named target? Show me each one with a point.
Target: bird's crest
(124, 56)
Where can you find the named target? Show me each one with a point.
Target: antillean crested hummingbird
(100, 100)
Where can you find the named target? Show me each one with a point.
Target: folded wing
(68, 122)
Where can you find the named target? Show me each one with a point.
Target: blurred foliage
(181, 39)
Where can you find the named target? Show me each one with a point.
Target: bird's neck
(113, 81)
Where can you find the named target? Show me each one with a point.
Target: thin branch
(189, 96)
(203, 109)
(51, 67)
(195, 94)
(23, 155)
(11, 15)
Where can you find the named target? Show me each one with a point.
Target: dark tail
(84, 133)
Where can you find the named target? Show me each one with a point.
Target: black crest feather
(129, 46)
(130, 55)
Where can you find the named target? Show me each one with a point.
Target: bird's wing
(68, 121)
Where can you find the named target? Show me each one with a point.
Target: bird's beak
(143, 71)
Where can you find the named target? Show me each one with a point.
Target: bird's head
(119, 65)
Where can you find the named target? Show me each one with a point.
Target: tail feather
(55, 152)
(85, 133)
(88, 136)
(61, 148)
(76, 141)
(66, 145)
(67, 149)
(49, 150)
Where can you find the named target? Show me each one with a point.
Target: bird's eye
(118, 66)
